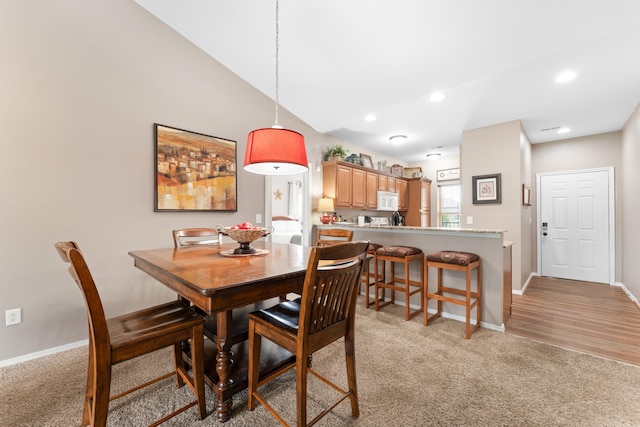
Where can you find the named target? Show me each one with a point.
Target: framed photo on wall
(487, 189)
(194, 171)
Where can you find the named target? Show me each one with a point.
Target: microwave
(387, 201)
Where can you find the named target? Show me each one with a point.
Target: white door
(575, 226)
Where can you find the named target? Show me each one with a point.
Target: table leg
(224, 364)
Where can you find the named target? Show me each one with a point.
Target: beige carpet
(408, 375)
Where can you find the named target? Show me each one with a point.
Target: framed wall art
(487, 189)
(194, 172)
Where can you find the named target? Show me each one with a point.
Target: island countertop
(487, 243)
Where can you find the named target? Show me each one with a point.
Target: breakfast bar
(488, 244)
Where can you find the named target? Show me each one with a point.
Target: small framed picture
(486, 189)
(526, 195)
(366, 161)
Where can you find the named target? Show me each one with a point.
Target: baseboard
(43, 353)
(447, 315)
(626, 291)
(524, 287)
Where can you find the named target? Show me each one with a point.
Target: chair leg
(255, 341)
(197, 367)
(350, 354)
(100, 396)
(89, 401)
(302, 364)
(177, 357)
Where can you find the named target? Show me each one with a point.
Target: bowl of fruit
(244, 233)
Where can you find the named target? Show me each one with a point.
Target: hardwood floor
(593, 318)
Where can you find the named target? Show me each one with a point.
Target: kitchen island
(488, 244)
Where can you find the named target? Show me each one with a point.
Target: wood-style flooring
(593, 318)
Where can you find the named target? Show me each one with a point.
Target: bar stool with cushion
(403, 255)
(333, 236)
(458, 261)
(369, 277)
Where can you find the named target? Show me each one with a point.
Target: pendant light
(274, 150)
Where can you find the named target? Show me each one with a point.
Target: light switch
(258, 218)
(469, 220)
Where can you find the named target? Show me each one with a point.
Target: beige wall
(82, 84)
(629, 205)
(491, 150)
(595, 151)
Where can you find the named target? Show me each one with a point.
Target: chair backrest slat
(333, 236)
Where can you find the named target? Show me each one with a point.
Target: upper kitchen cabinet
(418, 203)
(337, 183)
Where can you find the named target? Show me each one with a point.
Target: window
(449, 211)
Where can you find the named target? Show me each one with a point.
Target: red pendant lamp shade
(275, 151)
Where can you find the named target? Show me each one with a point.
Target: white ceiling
(495, 61)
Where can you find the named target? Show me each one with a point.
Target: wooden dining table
(219, 284)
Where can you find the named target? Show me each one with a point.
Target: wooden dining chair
(186, 237)
(324, 314)
(333, 236)
(125, 337)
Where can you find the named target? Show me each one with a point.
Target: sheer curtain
(295, 199)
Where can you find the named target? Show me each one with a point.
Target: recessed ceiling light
(437, 96)
(370, 118)
(398, 139)
(564, 130)
(566, 76)
(433, 156)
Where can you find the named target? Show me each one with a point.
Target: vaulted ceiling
(493, 60)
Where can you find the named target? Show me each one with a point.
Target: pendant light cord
(276, 124)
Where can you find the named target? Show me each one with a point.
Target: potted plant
(335, 152)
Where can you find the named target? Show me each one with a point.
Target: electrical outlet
(469, 220)
(13, 317)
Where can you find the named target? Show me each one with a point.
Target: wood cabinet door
(391, 185)
(372, 185)
(401, 187)
(382, 183)
(359, 188)
(343, 186)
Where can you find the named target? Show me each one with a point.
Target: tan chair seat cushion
(451, 257)
(398, 251)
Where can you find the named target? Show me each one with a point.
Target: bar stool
(369, 278)
(404, 255)
(459, 261)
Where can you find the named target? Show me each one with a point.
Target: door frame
(612, 216)
(306, 205)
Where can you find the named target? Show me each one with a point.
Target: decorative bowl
(244, 237)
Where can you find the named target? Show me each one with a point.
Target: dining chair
(333, 236)
(190, 237)
(186, 237)
(325, 313)
(128, 336)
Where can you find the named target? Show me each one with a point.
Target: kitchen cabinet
(382, 182)
(372, 185)
(403, 196)
(418, 211)
(354, 186)
(358, 188)
(337, 183)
